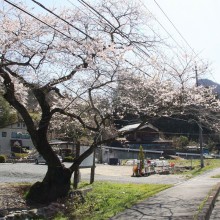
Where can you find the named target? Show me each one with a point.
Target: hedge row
(68, 159)
(2, 159)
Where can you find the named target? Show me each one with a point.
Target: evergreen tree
(141, 157)
(7, 116)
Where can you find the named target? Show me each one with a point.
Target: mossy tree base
(56, 184)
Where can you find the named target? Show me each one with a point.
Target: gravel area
(123, 174)
(29, 172)
(11, 196)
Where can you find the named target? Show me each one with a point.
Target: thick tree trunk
(56, 184)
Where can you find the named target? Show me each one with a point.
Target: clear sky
(197, 20)
(199, 23)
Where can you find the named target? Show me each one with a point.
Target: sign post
(76, 173)
(88, 162)
(92, 175)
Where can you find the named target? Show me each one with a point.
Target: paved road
(21, 172)
(179, 202)
(29, 172)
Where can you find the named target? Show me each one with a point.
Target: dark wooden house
(147, 135)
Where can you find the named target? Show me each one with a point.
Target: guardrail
(187, 154)
(198, 155)
(132, 149)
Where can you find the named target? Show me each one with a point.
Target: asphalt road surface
(30, 172)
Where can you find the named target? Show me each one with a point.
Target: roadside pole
(76, 173)
(201, 145)
(200, 127)
(92, 175)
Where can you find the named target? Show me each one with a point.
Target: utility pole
(200, 127)
(196, 72)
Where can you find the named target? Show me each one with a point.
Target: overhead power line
(41, 5)
(127, 61)
(33, 16)
(51, 12)
(112, 26)
(162, 26)
(175, 27)
(55, 29)
(98, 14)
(69, 37)
(181, 35)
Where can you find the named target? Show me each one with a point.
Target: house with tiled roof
(133, 136)
(146, 135)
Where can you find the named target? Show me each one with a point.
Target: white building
(14, 134)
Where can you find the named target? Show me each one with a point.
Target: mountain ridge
(208, 82)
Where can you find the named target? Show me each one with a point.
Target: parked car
(39, 159)
(207, 156)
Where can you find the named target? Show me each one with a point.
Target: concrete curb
(206, 211)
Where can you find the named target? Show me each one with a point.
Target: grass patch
(216, 176)
(209, 164)
(195, 217)
(202, 204)
(107, 199)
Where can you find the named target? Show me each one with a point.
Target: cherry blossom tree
(78, 64)
(70, 61)
(156, 97)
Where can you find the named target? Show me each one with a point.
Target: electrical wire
(181, 35)
(42, 6)
(82, 1)
(14, 5)
(55, 29)
(96, 13)
(161, 25)
(175, 27)
(121, 33)
(51, 12)
(33, 16)
(110, 25)
(178, 45)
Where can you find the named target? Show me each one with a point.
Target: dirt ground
(109, 170)
(12, 196)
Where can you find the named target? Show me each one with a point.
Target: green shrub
(22, 155)
(2, 159)
(68, 159)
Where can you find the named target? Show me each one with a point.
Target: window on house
(27, 136)
(20, 135)
(13, 134)
(4, 134)
(18, 125)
